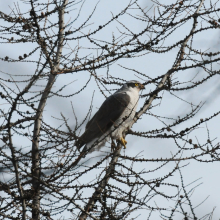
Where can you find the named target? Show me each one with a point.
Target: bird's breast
(132, 106)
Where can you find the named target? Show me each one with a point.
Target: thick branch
(37, 125)
(168, 74)
(18, 182)
(102, 184)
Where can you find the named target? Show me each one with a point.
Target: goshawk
(112, 119)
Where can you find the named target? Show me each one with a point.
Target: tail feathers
(79, 143)
(88, 146)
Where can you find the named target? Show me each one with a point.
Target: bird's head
(134, 84)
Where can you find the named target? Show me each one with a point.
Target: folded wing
(111, 109)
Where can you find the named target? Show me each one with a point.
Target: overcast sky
(152, 65)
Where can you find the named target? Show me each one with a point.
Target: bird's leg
(113, 146)
(123, 142)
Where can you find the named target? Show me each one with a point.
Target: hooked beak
(141, 86)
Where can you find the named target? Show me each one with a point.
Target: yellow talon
(124, 142)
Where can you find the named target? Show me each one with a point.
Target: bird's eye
(136, 84)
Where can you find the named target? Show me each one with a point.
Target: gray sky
(152, 65)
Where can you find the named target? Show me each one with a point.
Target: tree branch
(37, 126)
(96, 195)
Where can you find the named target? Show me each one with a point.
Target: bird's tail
(79, 143)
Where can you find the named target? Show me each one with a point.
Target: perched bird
(112, 119)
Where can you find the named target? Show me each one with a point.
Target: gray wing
(108, 113)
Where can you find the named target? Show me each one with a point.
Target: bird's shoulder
(113, 106)
(119, 98)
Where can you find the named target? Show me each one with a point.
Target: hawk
(112, 119)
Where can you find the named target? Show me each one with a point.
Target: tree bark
(36, 173)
